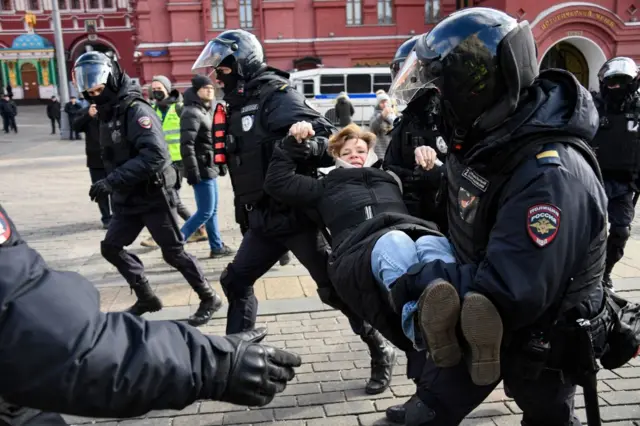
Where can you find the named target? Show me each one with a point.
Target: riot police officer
(141, 181)
(416, 127)
(527, 220)
(617, 147)
(262, 106)
(60, 353)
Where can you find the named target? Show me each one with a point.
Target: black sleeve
(393, 158)
(81, 121)
(283, 184)
(525, 267)
(285, 107)
(144, 131)
(190, 122)
(61, 354)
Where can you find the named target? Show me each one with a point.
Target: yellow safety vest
(171, 129)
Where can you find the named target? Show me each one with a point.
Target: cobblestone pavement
(44, 188)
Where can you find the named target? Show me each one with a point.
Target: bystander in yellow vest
(171, 129)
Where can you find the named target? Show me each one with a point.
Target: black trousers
(162, 224)
(104, 203)
(53, 124)
(183, 211)
(452, 395)
(621, 211)
(256, 255)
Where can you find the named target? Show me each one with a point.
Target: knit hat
(199, 81)
(382, 97)
(164, 81)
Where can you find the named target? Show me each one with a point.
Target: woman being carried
(375, 241)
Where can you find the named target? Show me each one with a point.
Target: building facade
(101, 25)
(301, 34)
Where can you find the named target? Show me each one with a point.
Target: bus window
(358, 83)
(381, 81)
(331, 84)
(308, 89)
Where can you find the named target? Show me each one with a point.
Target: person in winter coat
(87, 122)
(53, 113)
(8, 110)
(196, 148)
(363, 209)
(344, 110)
(382, 122)
(73, 108)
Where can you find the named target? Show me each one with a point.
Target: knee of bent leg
(620, 234)
(234, 285)
(109, 251)
(172, 256)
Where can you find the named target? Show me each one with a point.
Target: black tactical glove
(222, 170)
(299, 151)
(100, 189)
(258, 372)
(193, 177)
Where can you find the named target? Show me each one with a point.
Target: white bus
(321, 86)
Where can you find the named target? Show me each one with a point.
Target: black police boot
(210, 302)
(147, 300)
(383, 358)
(396, 414)
(417, 413)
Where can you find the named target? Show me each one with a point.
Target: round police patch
(441, 145)
(5, 229)
(543, 222)
(247, 123)
(144, 122)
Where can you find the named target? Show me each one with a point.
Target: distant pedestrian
(53, 112)
(8, 110)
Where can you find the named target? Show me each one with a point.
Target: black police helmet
(94, 68)
(237, 49)
(618, 74)
(401, 54)
(479, 59)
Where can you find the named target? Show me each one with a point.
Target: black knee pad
(234, 285)
(109, 252)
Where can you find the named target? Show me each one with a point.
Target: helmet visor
(395, 68)
(211, 57)
(89, 75)
(410, 80)
(623, 67)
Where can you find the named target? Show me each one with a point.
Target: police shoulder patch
(144, 122)
(5, 229)
(543, 223)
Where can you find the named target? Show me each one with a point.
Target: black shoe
(147, 300)
(607, 281)
(383, 359)
(419, 414)
(396, 414)
(285, 259)
(223, 251)
(210, 302)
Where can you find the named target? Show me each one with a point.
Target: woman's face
(355, 152)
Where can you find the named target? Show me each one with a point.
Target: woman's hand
(426, 157)
(301, 131)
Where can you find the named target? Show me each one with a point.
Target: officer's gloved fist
(100, 189)
(193, 177)
(296, 150)
(258, 372)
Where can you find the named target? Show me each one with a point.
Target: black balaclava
(230, 80)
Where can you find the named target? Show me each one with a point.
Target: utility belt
(571, 348)
(166, 179)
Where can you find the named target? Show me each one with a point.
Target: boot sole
(482, 328)
(439, 310)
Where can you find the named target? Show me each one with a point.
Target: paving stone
(319, 399)
(208, 420)
(294, 413)
(352, 407)
(244, 417)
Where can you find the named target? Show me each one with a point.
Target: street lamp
(63, 81)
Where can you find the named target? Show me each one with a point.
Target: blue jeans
(206, 193)
(394, 253)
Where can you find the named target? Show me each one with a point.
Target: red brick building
(301, 34)
(102, 25)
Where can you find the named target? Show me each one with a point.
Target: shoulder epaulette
(549, 155)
